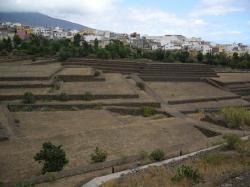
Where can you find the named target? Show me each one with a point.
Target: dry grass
(233, 77)
(214, 167)
(81, 131)
(76, 71)
(28, 70)
(170, 91)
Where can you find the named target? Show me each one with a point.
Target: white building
(171, 46)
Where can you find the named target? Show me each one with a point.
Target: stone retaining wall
(201, 100)
(75, 78)
(70, 97)
(63, 107)
(133, 111)
(165, 78)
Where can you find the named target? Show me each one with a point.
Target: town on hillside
(134, 40)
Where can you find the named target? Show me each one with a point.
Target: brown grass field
(79, 133)
(187, 90)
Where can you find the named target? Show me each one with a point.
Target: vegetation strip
(100, 180)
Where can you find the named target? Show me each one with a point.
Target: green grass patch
(236, 116)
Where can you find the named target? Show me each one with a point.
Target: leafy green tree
(77, 39)
(200, 57)
(64, 54)
(17, 40)
(103, 53)
(7, 44)
(53, 157)
(96, 44)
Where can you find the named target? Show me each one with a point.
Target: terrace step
(150, 69)
(166, 78)
(80, 106)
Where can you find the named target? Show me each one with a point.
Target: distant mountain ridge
(37, 19)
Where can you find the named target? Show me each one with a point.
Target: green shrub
(1, 183)
(29, 98)
(232, 140)
(88, 96)
(63, 55)
(157, 155)
(63, 97)
(98, 155)
(53, 158)
(97, 73)
(148, 111)
(236, 116)
(189, 173)
(140, 85)
(103, 53)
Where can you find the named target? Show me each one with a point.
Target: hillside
(38, 19)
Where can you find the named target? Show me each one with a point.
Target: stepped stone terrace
(81, 109)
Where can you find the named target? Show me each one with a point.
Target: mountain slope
(38, 19)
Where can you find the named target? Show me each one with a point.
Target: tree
(7, 44)
(103, 53)
(63, 55)
(17, 40)
(77, 39)
(53, 157)
(200, 57)
(29, 98)
(96, 44)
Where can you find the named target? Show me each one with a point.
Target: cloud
(119, 16)
(217, 7)
(146, 21)
(58, 6)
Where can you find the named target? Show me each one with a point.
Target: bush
(232, 140)
(63, 55)
(63, 97)
(140, 85)
(189, 173)
(103, 54)
(88, 96)
(33, 59)
(97, 73)
(98, 155)
(157, 155)
(29, 98)
(53, 158)
(236, 116)
(148, 111)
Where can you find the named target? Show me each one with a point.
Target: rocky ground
(242, 180)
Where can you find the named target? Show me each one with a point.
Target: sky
(219, 21)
